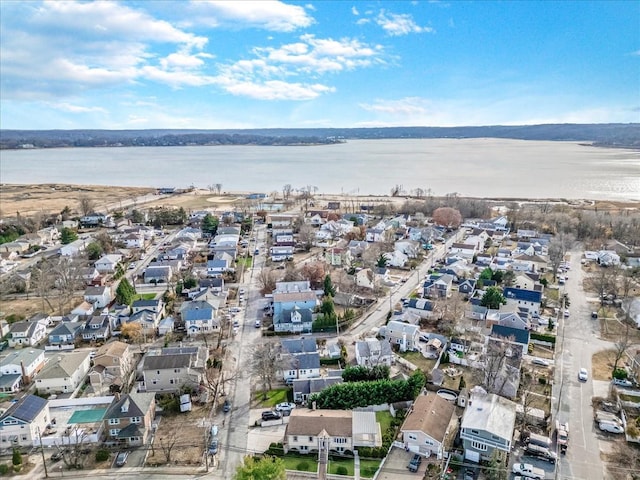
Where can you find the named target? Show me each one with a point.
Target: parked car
(57, 456)
(540, 361)
(213, 447)
(540, 452)
(583, 375)
(529, 471)
(414, 463)
(470, 474)
(227, 406)
(611, 427)
(566, 313)
(622, 382)
(270, 415)
(258, 324)
(285, 407)
(121, 459)
(594, 315)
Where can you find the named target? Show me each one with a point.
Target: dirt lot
(52, 198)
(186, 431)
(27, 306)
(602, 364)
(612, 329)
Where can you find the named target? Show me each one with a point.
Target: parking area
(517, 456)
(395, 466)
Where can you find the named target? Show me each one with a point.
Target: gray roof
(306, 315)
(163, 362)
(364, 350)
(26, 409)
(65, 366)
(8, 381)
(146, 303)
(25, 355)
(135, 405)
(67, 328)
(299, 345)
(305, 361)
(314, 385)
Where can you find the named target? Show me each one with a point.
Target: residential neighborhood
(346, 341)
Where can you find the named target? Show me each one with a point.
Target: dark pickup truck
(415, 462)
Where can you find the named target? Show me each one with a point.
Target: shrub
(102, 455)
(542, 381)
(16, 458)
(4, 468)
(342, 470)
(620, 374)
(303, 466)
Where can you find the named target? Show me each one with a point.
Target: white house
(429, 422)
(27, 333)
(99, 296)
(63, 374)
(25, 362)
(405, 335)
(372, 351)
(108, 263)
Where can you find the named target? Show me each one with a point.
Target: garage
(472, 456)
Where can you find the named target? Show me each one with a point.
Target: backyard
(273, 397)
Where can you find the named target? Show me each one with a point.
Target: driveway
(395, 466)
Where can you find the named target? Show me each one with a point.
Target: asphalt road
(572, 398)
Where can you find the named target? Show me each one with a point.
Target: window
(24, 438)
(295, 438)
(479, 446)
(303, 448)
(428, 442)
(311, 439)
(154, 382)
(176, 370)
(136, 419)
(412, 437)
(171, 381)
(114, 421)
(339, 440)
(475, 432)
(114, 432)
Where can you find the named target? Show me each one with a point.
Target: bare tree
(86, 204)
(264, 363)
(75, 445)
(447, 217)
(497, 372)
(621, 346)
(286, 191)
(267, 280)
(601, 283)
(306, 236)
(68, 279)
(218, 187)
(168, 442)
(43, 282)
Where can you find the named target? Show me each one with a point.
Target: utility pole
(44, 462)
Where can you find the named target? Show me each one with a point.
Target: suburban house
(24, 363)
(134, 240)
(467, 287)
(438, 286)
(527, 299)
(281, 253)
(305, 387)
(74, 248)
(372, 351)
(64, 335)
(64, 374)
(171, 369)
(487, 424)
(114, 364)
(286, 297)
(95, 328)
(420, 307)
(460, 345)
(512, 335)
(301, 365)
(312, 431)
(158, 274)
(27, 333)
(199, 316)
(21, 423)
(428, 425)
(405, 335)
(608, 258)
(128, 422)
(90, 275)
(99, 296)
(527, 281)
(108, 263)
(220, 264)
(365, 278)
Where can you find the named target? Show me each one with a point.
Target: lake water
(470, 167)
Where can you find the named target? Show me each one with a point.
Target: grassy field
(274, 397)
(336, 463)
(144, 296)
(424, 364)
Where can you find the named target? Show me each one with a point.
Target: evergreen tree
(68, 235)
(329, 289)
(125, 292)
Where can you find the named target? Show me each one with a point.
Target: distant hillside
(605, 135)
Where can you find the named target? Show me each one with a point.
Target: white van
(611, 427)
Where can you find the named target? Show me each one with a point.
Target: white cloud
(269, 75)
(354, 10)
(267, 14)
(397, 24)
(404, 106)
(277, 90)
(67, 107)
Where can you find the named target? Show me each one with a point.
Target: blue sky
(253, 64)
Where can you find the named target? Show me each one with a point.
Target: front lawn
(336, 463)
(302, 463)
(369, 467)
(274, 397)
(246, 261)
(144, 296)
